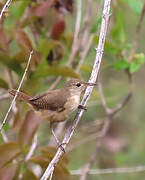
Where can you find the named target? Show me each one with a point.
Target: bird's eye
(78, 84)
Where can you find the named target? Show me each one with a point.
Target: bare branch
(88, 92)
(76, 34)
(13, 101)
(75, 41)
(32, 148)
(6, 6)
(86, 25)
(84, 53)
(109, 116)
(121, 105)
(88, 166)
(4, 136)
(111, 170)
(54, 84)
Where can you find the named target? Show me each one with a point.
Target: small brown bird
(57, 105)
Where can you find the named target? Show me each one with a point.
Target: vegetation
(63, 36)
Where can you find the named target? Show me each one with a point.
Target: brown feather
(20, 95)
(51, 100)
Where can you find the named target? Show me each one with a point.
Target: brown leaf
(60, 172)
(8, 152)
(4, 43)
(41, 9)
(41, 160)
(9, 172)
(57, 28)
(22, 39)
(29, 127)
(49, 152)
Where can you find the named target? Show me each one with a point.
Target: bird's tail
(20, 95)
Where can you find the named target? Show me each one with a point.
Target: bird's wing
(51, 100)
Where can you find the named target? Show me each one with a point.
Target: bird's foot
(82, 107)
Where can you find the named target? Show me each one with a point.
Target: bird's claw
(82, 107)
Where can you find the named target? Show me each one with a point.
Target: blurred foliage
(47, 27)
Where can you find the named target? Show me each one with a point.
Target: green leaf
(22, 7)
(139, 58)
(135, 5)
(8, 152)
(9, 62)
(44, 47)
(96, 24)
(118, 31)
(44, 70)
(134, 67)
(122, 64)
(3, 84)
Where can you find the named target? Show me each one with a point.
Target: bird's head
(77, 86)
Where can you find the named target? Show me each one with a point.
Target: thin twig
(32, 148)
(111, 112)
(4, 136)
(111, 170)
(88, 92)
(75, 41)
(6, 6)
(13, 101)
(75, 44)
(84, 53)
(88, 166)
(86, 25)
(54, 84)
(70, 60)
(109, 116)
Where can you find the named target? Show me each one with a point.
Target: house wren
(57, 105)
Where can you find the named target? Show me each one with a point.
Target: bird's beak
(90, 84)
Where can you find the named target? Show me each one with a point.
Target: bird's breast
(70, 106)
(72, 102)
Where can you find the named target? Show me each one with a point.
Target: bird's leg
(59, 144)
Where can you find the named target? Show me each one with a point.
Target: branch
(111, 112)
(88, 166)
(84, 53)
(13, 101)
(86, 24)
(111, 170)
(88, 92)
(76, 34)
(32, 148)
(6, 6)
(109, 116)
(75, 41)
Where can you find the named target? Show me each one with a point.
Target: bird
(56, 105)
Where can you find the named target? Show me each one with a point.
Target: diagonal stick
(13, 101)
